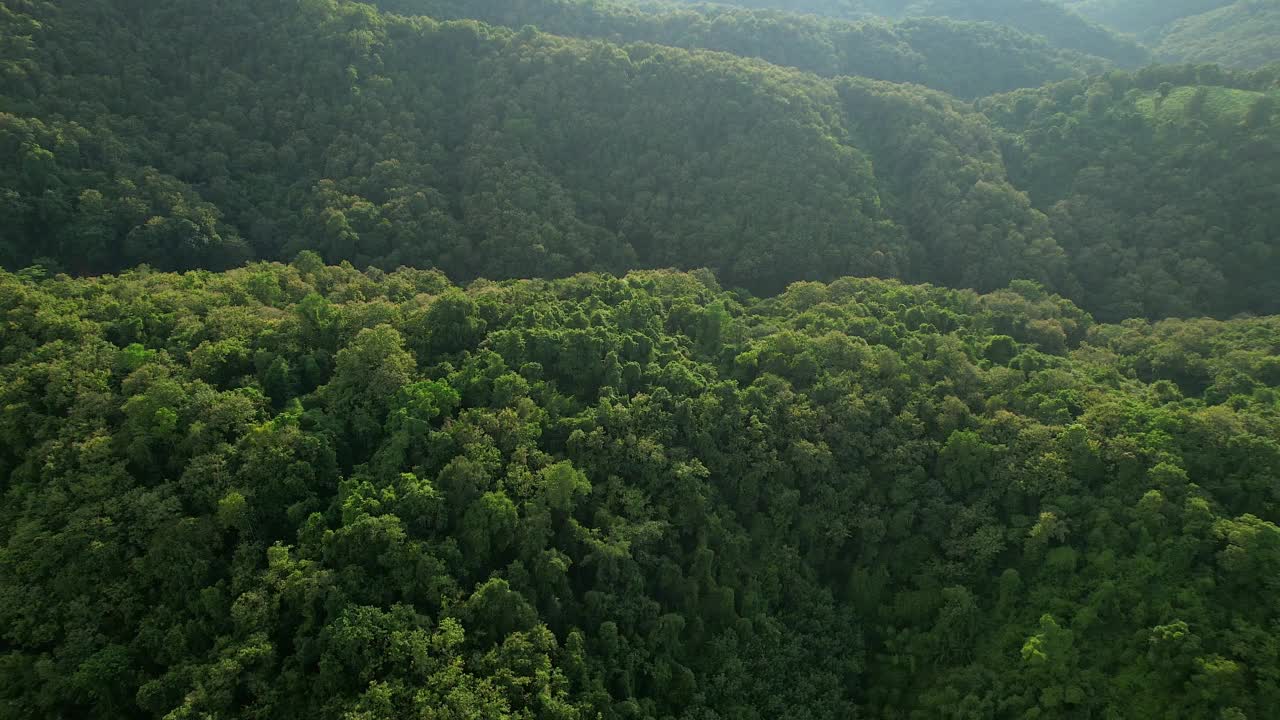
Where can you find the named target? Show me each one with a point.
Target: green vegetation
(967, 59)
(304, 491)
(1218, 107)
(386, 140)
(829, 8)
(1156, 186)
(1142, 17)
(249, 131)
(658, 362)
(1242, 34)
(1239, 34)
(506, 155)
(1062, 28)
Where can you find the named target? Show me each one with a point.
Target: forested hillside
(828, 8)
(304, 491)
(967, 59)
(1158, 186)
(1062, 28)
(198, 135)
(486, 153)
(478, 150)
(1128, 33)
(1142, 17)
(1242, 34)
(608, 360)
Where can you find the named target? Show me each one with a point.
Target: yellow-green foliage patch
(1218, 105)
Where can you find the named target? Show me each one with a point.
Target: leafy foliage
(1061, 27)
(300, 491)
(1143, 17)
(1156, 186)
(1242, 34)
(968, 59)
(235, 488)
(666, 157)
(197, 135)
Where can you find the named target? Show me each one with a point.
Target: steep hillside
(385, 140)
(1158, 186)
(963, 58)
(1062, 28)
(828, 8)
(196, 135)
(1243, 34)
(1142, 17)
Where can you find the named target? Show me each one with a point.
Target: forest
(307, 491)
(639, 360)
(921, 50)
(255, 131)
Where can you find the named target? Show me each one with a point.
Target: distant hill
(1142, 17)
(967, 59)
(1160, 180)
(1244, 34)
(1061, 27)
(194, 135)
(197, 136)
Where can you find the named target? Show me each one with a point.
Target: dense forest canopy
(198, 135)
(1125, 32)
(968, 59)
(1142, 17)
(1241, 35)
(1157, 186)
(305, 491)
(1061, 27)
(639, 360)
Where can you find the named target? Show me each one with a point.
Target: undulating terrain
(605, 360)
